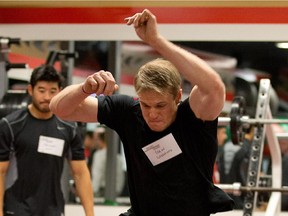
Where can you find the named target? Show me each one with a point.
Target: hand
(145, 25)
(101, 82)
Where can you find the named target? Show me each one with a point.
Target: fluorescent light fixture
(282, 45)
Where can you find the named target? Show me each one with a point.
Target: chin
(157, 128)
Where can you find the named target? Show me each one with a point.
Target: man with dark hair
(33, 146)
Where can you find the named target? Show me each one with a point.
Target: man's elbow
(56, 110)
(218, 96)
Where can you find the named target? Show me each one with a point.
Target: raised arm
(208, 94)
(73, 103)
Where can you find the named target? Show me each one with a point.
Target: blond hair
(158, 75)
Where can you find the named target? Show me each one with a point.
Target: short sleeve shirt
(34, 176)
(173, 187)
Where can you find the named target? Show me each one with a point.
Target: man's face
(42, 93)
(88, 142)
(159, 111)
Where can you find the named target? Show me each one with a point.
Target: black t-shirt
(33, 177)
(174, 187)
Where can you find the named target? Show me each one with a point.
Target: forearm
(3, 172)
(2, 190)
(85, 193)
(67, 103)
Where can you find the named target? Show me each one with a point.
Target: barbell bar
(244, 122)
(236, 187)
(223, 121)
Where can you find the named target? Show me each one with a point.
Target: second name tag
(50, 145)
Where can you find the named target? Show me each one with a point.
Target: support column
(114, 66)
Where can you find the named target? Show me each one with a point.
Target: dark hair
(89, 134)
(101, 136)
(46, 73)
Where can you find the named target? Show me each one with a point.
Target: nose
(153, 113)
(47, 96)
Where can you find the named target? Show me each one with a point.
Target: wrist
(84, 91)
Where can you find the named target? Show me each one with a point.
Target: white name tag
(50, 145)
(162, 150)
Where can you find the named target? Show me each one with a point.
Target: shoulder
(70, 126)
(185, 112)
(116, 104)
(118, 98)
(15, 116)
(184, 108)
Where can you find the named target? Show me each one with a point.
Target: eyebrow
(159, 103)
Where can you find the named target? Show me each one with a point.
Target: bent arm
(83, 184)
(208, 94)
(3, 170)
(74, 105)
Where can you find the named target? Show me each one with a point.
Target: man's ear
(30, 89)
(179, 96)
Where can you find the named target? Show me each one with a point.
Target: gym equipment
(62, 56)
(239, 121)
(5, 65)
(59, 56)
(236, 187)
(262, 127)
(13, 100)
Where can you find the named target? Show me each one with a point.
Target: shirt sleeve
(77, 145)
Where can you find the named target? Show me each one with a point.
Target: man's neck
(38, 114)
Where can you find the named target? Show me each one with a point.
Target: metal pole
(114, 64)
(71, 49)
(4, 48)
(257, 147)
(222, 121)
(3, 77)
(236, 187)
(66, 176)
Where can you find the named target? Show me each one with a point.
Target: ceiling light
(282, 45)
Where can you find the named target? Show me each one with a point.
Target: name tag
(50, 145)
(162, 150)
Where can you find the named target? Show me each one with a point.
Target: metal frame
(4, 49)
(263, 112)
(274, 204)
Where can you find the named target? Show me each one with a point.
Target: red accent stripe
(165, 15)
